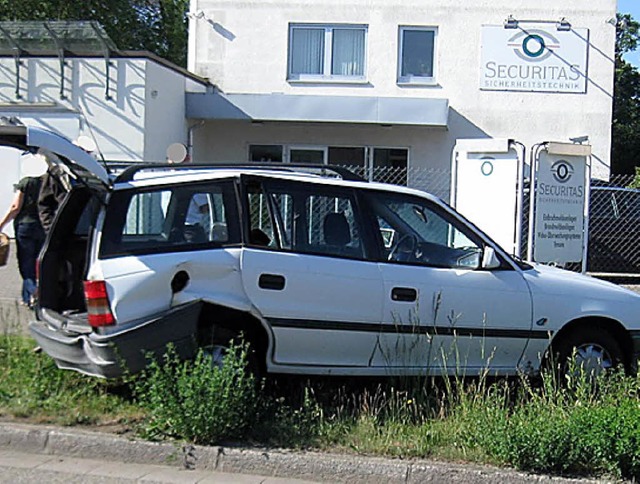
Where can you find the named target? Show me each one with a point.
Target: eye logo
(562, 171)
(533, 45)
(487, 167)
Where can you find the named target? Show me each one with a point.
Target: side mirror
(490, 259)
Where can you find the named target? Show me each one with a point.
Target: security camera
(580, 139)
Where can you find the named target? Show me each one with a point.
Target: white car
(322, 274)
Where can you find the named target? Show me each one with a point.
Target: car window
(602, 204)
(331, 226)
(168, 219)
(261, 226)
(415, 231)
(283, 208)
(308, 218)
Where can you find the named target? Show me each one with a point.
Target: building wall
(144, 114)
(165, 121)
(242, 47)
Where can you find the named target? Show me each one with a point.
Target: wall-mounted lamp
(562, 25)
(510, 23)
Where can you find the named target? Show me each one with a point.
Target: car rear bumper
(122, 351)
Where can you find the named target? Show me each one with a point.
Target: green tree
(625, 150)
(159, 26)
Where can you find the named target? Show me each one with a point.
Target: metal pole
(520, 197)
(60, 48)
(587, 208)
(535, 149)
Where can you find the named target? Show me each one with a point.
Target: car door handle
(273, 282)
(404, 294)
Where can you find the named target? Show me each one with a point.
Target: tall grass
(588, 427)
(31, 386)
(584, 428)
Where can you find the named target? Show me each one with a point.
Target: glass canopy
(42, 36)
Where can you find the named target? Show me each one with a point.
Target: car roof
(195, 174)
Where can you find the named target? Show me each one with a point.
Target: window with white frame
(375, 163)
(330, 52)
(416, 55)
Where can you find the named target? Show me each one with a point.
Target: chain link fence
(614, 215)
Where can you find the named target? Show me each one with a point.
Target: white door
(306, 272)
(443, 313)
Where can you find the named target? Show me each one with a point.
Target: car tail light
(98, 308)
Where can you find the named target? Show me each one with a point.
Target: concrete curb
(267, 462)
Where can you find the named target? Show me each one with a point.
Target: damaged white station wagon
(323, 274)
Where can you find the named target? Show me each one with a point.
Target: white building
(132, 104)
(382, 83)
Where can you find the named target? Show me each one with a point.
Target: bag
(4, 249)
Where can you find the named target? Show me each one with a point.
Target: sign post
(559, 208)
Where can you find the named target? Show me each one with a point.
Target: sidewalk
(191, 462)
(21, 467)
(13, 316)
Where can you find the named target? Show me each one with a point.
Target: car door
(305, 269)
(171, 244)
(444, 313)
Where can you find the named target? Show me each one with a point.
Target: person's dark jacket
(55, 186)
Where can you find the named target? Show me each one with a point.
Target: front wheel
(588, 351)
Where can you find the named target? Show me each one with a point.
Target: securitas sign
(534, 59)
(559, 203)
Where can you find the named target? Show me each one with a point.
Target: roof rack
(323, 170)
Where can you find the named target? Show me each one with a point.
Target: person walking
(29, 233)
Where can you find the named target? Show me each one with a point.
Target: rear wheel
(587, 351)
(215, 348)
(215, 353)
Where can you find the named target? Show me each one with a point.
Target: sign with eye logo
(533, 58)
(560, 193)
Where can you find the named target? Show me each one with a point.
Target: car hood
(563, 296)
(567, 282)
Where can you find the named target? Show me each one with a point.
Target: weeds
(586, 427)
(198, 401)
